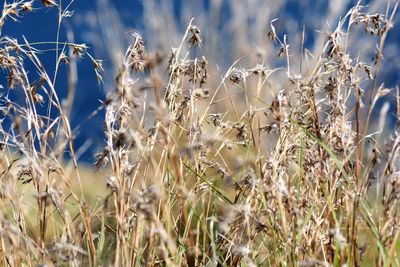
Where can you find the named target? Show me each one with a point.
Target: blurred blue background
(91, 17)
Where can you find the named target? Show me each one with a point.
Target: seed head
(63, 58)
(195, 39)
(134, 54)
(27, 7)
(79, 50)
(49, 3)
(236, 76)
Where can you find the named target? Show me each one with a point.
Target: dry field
(283, 158)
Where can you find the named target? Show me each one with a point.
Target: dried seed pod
(271, 33)
(134, 54)
(200, 93)
(79, 50)
(49, 3)
(113, 183)
(195, 39)
(63, 58)
(236, 76)
(27, 7)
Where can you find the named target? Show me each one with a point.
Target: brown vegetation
(267, 166)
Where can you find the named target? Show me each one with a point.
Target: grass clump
(251, 166)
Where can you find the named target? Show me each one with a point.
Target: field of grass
(252, 165)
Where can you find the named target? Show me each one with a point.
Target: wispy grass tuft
(251, 166)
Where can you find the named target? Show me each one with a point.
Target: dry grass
(256, 166)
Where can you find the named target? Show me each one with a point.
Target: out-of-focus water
(42, 26)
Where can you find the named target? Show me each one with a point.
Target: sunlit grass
(253, 165)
